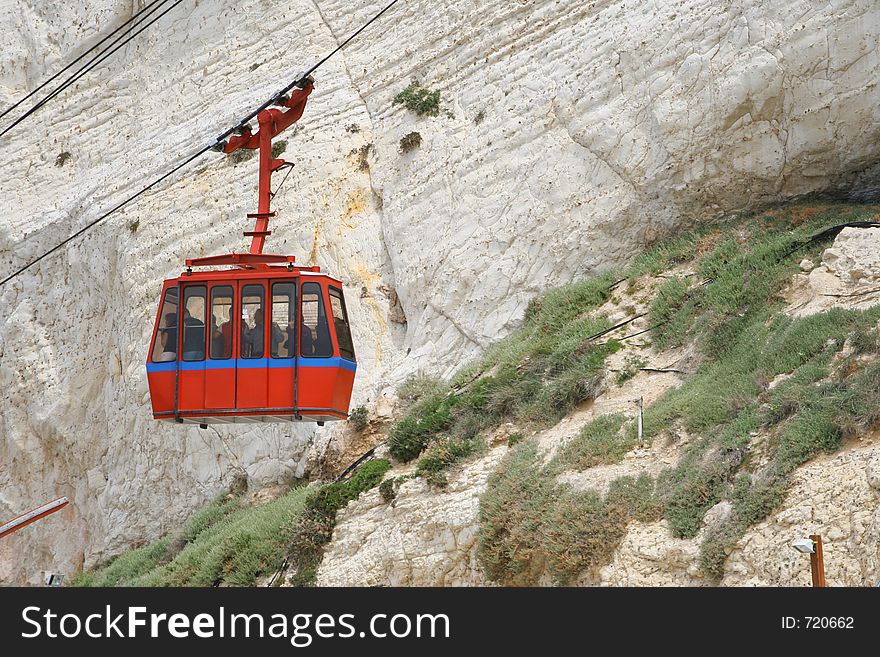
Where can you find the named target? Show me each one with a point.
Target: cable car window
(283, 320)
(194, 307)
(253, 328)
(315, 340)
(340, 323)
(221, 322)
(165, 347)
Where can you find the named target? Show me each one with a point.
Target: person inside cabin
(343, 335)
(217, 339)
(277, 337)
(226, 335)
(307, 341)
(257, 335)
(193, 337)
(246, 339)
(168, 338)
(322, 345)
(290, 340)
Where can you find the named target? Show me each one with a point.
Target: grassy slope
(233, 544)
(729, 311)
(531, 525)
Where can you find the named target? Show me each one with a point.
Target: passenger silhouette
(193, 337)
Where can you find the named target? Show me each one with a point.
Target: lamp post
(813, 547)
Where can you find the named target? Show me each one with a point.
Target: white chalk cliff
(572, 133)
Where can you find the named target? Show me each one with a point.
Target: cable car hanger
(271, 122)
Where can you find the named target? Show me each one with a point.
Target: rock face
(837, 497)
(424, 537)
(570, 134)
(650, 556)
(846, 278)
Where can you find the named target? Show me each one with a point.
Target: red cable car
(263, 341)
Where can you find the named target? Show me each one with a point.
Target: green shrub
(315, 526)
(511, 515)
(662, 257)
(359, 418)
(672, 312)
(125, 568)
(241, 155)
(636, 496)
(695, 485)
(420, 386)
(425, 419)
(210, 515)
(581, 534)
(278, 148)
(387, 489)
(556, 308)
(248, 543)
(865, 341)
(600, 441)
(753, 500)
(225, 543)
(442, 455)
(529, 524)
(631, 367)
(418, 99)
(410, 141)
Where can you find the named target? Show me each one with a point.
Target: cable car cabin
(266, 341)
(259, 344)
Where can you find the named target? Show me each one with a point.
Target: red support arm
(282, 120)
(272, 122)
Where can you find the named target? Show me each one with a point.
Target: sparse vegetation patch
(419, 99)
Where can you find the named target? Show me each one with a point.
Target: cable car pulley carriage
(263, 341)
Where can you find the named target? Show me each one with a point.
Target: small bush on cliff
(425, 419)
(387, 489)
(672, 312)
(210, 515)
(419, 99)
(278, 148)
(315, 526)
(600, 441)
(224, 543)
(359, 418)
(236, 550)
(442, 455)
(241, 155)
(420, 386)
(410, 141)
(529, 524)
(125, 568)
(631, 367)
